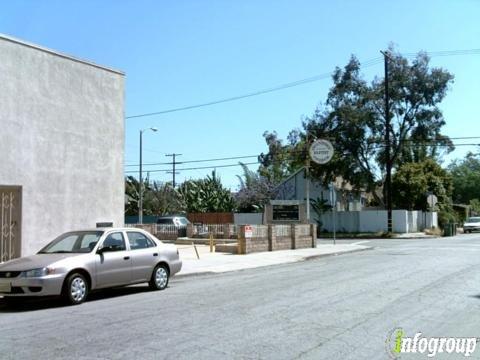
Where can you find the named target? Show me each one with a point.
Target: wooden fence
(211, 218)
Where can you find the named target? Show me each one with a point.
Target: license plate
(5, 288)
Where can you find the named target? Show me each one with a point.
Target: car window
(89, 241)
(73, 242)
(474, 219)
(138, 240)
(66, 245)
(183, 221)
(165, 221)
(115, 242)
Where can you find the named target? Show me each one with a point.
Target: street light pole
(140, 178)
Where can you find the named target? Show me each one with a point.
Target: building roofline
(59, 54)
(289, 177)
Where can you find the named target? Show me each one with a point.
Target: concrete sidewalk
(216, 262)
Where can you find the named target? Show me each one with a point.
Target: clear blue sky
(180, 53)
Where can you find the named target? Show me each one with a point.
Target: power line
(197, 161)
(367, 63)
(199, 168)
(289, 157)
(446, 53)
(441, 142)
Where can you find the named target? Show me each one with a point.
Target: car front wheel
(76, 289)
(159, 280)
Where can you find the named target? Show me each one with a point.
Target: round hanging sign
(321, 151)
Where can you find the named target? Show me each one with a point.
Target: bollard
(196, 251)
(211, 242)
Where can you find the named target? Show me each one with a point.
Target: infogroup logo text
(397, 343)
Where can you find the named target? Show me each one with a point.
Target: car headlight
(38, 272)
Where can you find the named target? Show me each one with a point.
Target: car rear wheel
(159, 280)
(76, 289)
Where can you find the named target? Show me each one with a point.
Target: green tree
(158, 198)
(163, 199)
(320, 206)
(206, 195)
(475, 206)
(413, 182)
(255, 191)
(466, 178)
(131, 196)
(281, 159)
(353, 118)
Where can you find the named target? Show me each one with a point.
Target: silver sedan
(78, 262)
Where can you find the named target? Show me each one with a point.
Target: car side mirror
(104, 249)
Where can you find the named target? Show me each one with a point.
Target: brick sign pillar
(294, 236)
(242, 244)
(226, 231)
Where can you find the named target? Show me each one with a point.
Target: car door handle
(126, 258)
(155, 254)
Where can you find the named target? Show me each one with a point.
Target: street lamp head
(154, 129)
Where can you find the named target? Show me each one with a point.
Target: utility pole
(388, 182)
(173, 166)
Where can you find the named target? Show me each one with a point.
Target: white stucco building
(61, 146)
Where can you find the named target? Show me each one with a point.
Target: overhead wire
(289, 157)
(367, 63)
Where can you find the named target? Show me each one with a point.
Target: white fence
(403, 221)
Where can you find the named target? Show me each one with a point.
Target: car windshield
(183, 221)
(73, 242)
(473, 219)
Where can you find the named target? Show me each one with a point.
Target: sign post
(333, 201)
(321, 152)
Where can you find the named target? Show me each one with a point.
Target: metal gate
(10, 217)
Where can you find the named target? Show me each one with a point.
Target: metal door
(10, 222)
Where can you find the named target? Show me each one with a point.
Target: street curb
(312, 257)
(202, 273)
(305, 258)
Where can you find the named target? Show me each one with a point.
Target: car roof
(172, 216)
(109, 229)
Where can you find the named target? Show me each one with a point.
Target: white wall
(403, 221)
(61, 140)
(400, 221)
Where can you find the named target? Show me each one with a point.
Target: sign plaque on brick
(248, 231)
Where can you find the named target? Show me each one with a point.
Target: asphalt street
(337, 307)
